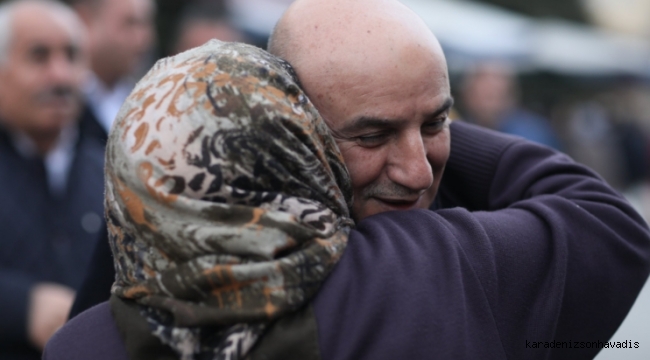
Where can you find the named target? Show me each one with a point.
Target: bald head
(379, 78)
(337, 35)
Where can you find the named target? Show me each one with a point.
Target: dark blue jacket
(42, 237)
(526, 247)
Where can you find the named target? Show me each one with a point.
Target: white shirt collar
(57, 161)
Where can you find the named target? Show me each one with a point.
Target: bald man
(51, 174)
(379, 78)
(525, 247)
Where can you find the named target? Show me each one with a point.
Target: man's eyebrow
(449, 102)
(38, 47)
(365, 122)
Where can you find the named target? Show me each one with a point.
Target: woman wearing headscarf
(226, 201)
(227, 206)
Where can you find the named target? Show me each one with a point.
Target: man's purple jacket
(528, 256)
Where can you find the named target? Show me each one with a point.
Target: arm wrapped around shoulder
(562, 255)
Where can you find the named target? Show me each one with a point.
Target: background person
(50, 173)
(489, 95)
(120, 36)
(200, 23)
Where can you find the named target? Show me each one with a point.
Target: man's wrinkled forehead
(338, 41)
(33, 22)
(338, 28)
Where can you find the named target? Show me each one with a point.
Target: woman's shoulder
(92, 334)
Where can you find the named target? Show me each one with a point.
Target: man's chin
(50, 127)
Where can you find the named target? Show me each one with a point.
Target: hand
(49, 306)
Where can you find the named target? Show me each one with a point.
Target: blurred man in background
(120, 35)
(51, 174)
(490, 99)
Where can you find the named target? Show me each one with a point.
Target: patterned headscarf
(227, 199)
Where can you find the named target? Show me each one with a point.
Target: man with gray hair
(51, 174)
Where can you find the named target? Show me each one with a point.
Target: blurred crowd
(605, 126)
(603, 122)
(66, 68)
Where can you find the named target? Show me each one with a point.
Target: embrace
(250, 204)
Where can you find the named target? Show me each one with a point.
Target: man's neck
(107, 81)
(107, 77)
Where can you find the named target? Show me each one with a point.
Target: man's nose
(409, 166)
(61, 70)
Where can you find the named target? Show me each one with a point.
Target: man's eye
(372, 140)
(434, 126)
(39, 55)
(72, 53)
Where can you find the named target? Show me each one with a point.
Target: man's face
(41, 76)
(390, 122)
(122, 33)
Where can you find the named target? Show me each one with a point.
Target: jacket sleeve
(560, 254)
(14, 306)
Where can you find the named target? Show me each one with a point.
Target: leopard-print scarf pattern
(227, 199)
